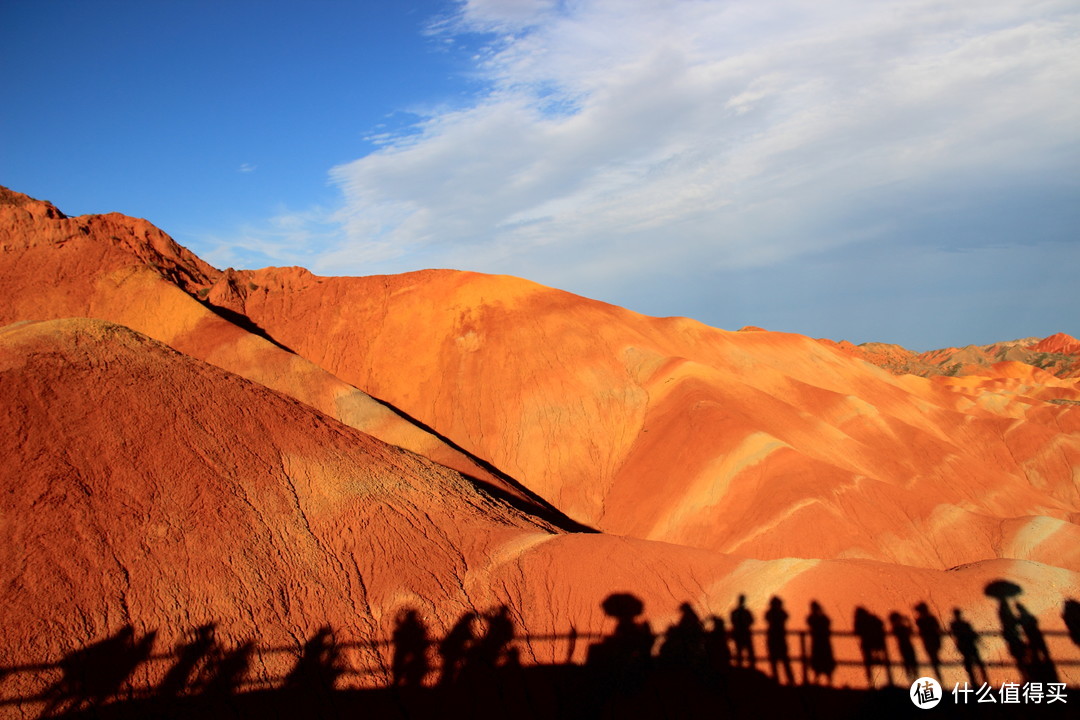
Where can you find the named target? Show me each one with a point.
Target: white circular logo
(925, 693)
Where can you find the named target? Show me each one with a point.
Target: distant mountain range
(1058, 354)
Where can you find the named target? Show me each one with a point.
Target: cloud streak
(622, 141)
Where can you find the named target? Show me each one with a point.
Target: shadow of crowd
(696, 666)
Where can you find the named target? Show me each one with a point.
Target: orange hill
(151, 489)
(125, 270)
(669, 430)
(219, 446)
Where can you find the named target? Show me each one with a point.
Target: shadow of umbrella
(1002, 589)
(622, 605)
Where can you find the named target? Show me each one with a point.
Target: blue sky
(896, 171)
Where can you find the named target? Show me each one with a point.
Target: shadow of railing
(374, 675)
(571, 674)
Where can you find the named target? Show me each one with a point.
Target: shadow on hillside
(244, 322)
(695, 668)
(529, 502)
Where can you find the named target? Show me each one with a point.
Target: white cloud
(505, 14)
(623, 144)
(246, 168)
(725, 132)
(287, 238)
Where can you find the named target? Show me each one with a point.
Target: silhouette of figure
(1071, 615)
(871, 631)
(822, 660)
(1041, 667)
(410, 639)
(625, 655)
(228, 671)
(967, 644)
(902, 631)
(318, 667)
(188, 657)
(1010, 633)
(490, 649)
(930, 633)
(742, 620)
(97, 672)
(776, 636)
(684, 642)
(455, 646)
(717, 649)
(1036, 640)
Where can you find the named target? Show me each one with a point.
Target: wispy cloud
(246, 168)
(747, 129)
(621, 139)
(288, 238)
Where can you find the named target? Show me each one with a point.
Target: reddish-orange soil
(125, 270)
(185, 445)
(666, 429)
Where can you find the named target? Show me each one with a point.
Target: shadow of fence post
(804, 657)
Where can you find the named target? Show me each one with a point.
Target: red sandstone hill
(210, 467)
(125, 270)
(666, 429)
(142, 485)
(148, 488)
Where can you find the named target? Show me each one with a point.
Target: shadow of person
(410, 639)
(684, 642)
(489, 650)
(1002, 590)
(1040, 666)
(930, 633)
(717, 650)
(742, 622)
(98, 672)
(308, 689)
(455, 646)
(967, 644)
(226, 673)
(624, 657)
(488, 678)
(871, 632)
(902, 631)
(1070, 613)
(188, 656)
(822, 659)
(776, 639)
(318, 667)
